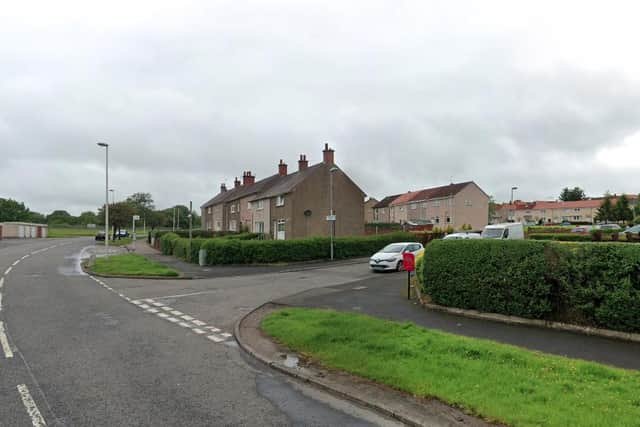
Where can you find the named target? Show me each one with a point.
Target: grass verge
(131, 265)
(495, 381)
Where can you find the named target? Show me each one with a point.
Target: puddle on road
(291, 361)
(73, 262)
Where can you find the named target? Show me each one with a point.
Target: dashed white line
(4, 342)
(16, 262)
(199, 322)
(152, 310)
(173, 320)
(185, 325)
(212, 329)
(198, 331)
(166, 308)
(136, 302)
(186, 317)
(149, 300)
(1, 282)
(144, 306)
(0, 301)
(163, 315)
(177, 313)
(226, 335)
(8, 271)
(32, 409)
(215, 338)
(157, 304)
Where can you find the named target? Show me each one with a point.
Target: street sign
(136, 217)
(331, 217)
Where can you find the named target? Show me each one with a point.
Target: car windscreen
(393, 248)
(492, 233)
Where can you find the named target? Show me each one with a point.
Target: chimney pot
(282, 168)
(236, 183)
(303, 163)
(328, 155)
(248, 179)
(223, 187)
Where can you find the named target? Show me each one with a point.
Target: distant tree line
(120, 214)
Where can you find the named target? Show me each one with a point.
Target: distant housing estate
(554, 212)
(452, 205)
(289, 205)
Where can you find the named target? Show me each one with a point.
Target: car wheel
(399, 266)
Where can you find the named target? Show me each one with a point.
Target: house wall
(22, 230)
(471, 206)
(232, 216)
(368, 210)
(218, 217)
(398, 213)
(281, 213)
(381, 215)
(262, 215)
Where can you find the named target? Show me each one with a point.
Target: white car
(390, 257)
(455, 236)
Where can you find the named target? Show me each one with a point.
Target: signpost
(409, 264)
(133, 232)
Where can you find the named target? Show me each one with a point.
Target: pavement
(78, 350)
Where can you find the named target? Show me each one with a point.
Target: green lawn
(492, 380)
(72, 232)
(133, 265)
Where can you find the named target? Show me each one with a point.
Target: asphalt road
(82, 351)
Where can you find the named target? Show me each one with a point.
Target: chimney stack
(327, 155)
(236, 183)
(303, 163)
(248, 179)
(223, 187)
(282, 168)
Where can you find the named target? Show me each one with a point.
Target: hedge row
(237, 251)
(562, 237)
(594, 284)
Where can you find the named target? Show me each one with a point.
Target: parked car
(634, 229)
(100, 236)
(122, 233)
(565, 223)
(607, 227)
(390, 257)
(582, 229)
(464, 235)
(506, 231)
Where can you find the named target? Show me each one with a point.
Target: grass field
(131, 265)
(82, 232)
(492, 380)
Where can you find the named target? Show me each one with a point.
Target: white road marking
(158, 304)
(359, 288)
(186, 317)
(166, 308)
(152, 310)
(215, 338)
(4, 342)
(25, 257)
(163, 315)
(226, 335)
(8, 271)
(199, 322)
(144, 306)
(185, 325)
(173, 320)
(121, 296)
(16, 262)
(0, 301)
(198, 331)
(177, 313)
(1, 282)
(136, 302)
(30, 405)
(149, 300)
(212, 329)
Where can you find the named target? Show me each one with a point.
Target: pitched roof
(287, 183)
(431, 193)
(386, 201)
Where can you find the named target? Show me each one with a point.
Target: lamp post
(511, 202)
(332, 217)
(113, 196)
(106, 194)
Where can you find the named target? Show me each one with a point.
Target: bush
(536, 229)
(562, 237)
(235, 251)
(508, 277)
(595, 284)
(167, 243)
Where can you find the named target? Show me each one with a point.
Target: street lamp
(106, 194)
(332, 217)
(512, 190)
(113, 195)
(511, 202)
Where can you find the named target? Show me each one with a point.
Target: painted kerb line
(36, 417)
(4, 342)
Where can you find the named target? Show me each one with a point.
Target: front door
(280, 234)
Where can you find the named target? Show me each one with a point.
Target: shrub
(509, 277)
(549, 229)
(595, 284)
(167, 243)
(562, 237)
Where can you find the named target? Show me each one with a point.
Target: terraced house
(290, 205)
(448, 205)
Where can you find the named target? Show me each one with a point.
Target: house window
(258, 227)
(448, 220)
(576, 210)
(436, 204)
(437, 220)
(281, 223)
(232, 225)
(233, 208)
(576, 218)
(280, 201)
(414, 206)
(467, 202)
(424, 205)
(249, 206)
(209, 209)
(260, 205)
(401, 208)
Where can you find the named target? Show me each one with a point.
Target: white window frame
(260, 205)
(414, 206)
(467, 203)
(233, 208)
(248, 206)
(436, 204)
(280, 201)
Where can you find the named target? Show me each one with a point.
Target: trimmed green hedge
(562, 237)
(591, 284)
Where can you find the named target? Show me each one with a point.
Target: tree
(622, 209)
(606, 211)
(569, 195)
(60, 217)
(88, 217)
(636, 210)
(37, 218)
(492, 209)
(121, 215)
(12, 210)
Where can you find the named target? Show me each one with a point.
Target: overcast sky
(410, 95)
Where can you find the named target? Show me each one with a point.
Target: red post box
(408, 261)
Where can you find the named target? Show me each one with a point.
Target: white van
(507, 230)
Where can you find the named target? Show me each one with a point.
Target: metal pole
(174, 219)
(408, 285)
(331, 211)
(190, 225)
(106, 188)
(178, 222)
